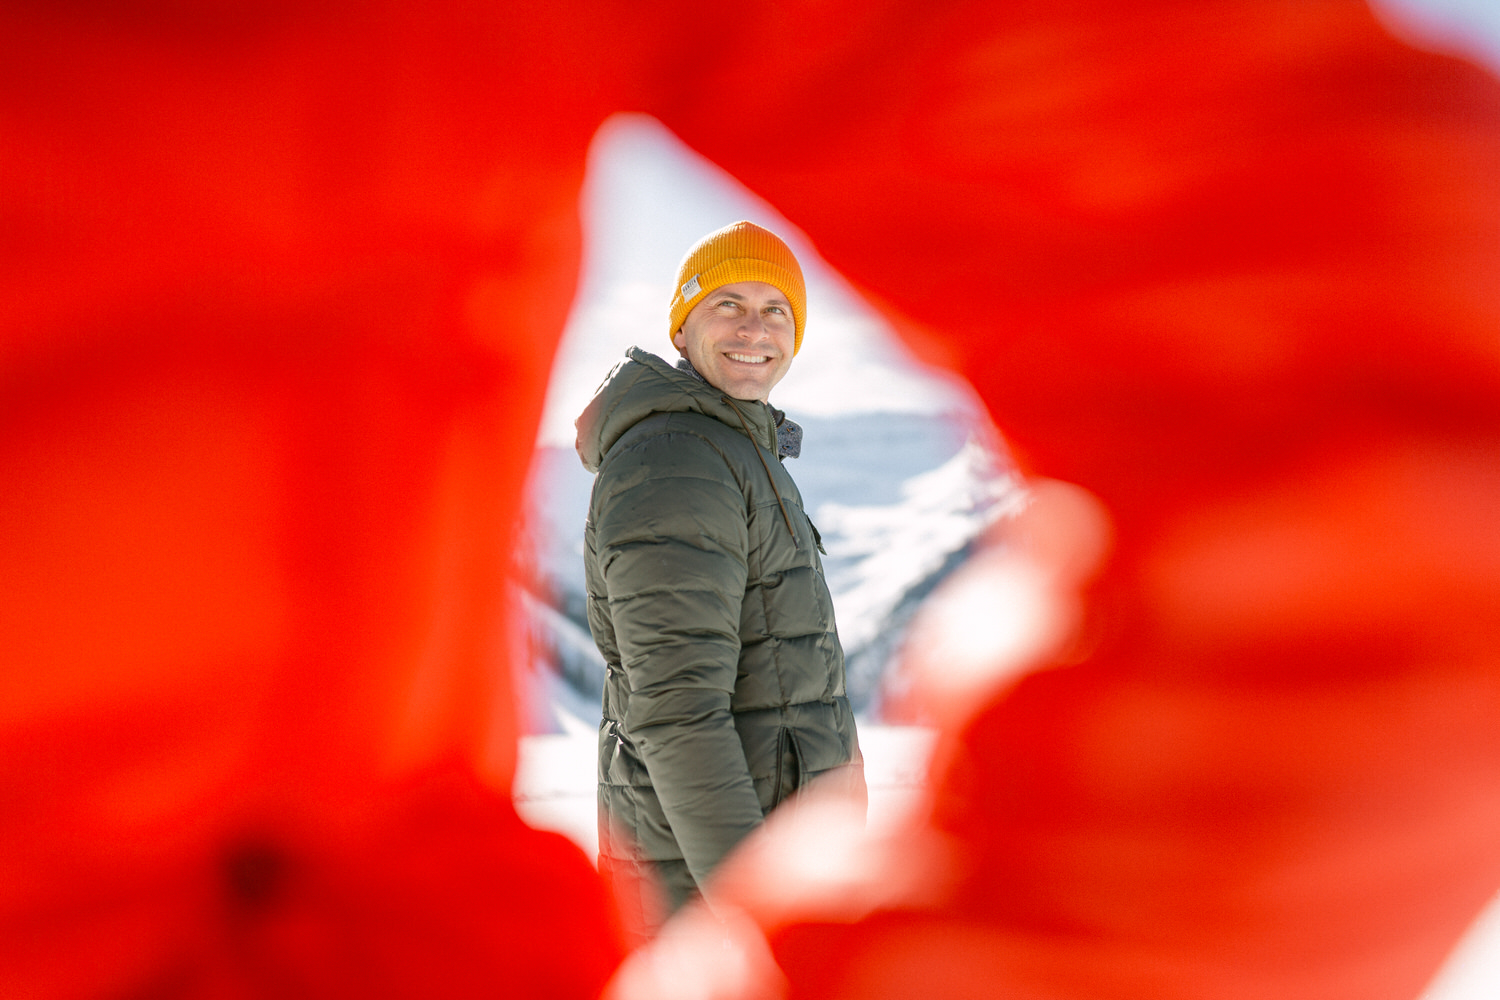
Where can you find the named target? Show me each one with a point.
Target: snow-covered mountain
(899, 498)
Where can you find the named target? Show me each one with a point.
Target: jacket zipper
(769, 478)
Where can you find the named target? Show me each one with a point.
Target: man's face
(740, 338)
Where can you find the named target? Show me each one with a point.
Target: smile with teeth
(749, 359)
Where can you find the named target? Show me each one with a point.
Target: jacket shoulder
(636, 389)
(675, 444)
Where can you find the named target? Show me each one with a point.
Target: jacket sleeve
(672, 539)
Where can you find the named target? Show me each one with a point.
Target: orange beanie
(741, 251)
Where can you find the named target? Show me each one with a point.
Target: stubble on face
(740, 338)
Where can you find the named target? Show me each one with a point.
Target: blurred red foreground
(280, 290)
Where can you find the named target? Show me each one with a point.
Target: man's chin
(740, 388)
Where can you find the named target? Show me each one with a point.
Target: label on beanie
(691, 288)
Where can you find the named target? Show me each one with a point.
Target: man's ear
(679, 340)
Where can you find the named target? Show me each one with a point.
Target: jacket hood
(642, 384)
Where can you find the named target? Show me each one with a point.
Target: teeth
(750, 359)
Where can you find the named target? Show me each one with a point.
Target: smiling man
(724, 688)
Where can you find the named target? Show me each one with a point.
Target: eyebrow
(740, 298)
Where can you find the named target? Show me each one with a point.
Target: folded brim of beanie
(727, 272)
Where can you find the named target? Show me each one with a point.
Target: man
(724, 689)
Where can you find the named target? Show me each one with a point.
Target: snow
(875, 551)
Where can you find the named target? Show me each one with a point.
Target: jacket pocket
(817, 535)
(788, 767)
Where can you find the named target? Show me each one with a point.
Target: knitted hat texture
(741, 251)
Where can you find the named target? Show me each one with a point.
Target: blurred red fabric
(281, 289)
(1231, 267)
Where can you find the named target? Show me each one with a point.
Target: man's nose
(753, 324)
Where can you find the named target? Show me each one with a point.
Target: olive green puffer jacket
(724, 688)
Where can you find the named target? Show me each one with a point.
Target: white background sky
(647, 199)
(1467, 28)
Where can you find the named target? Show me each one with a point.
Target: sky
(1466, 28)
(646, 200)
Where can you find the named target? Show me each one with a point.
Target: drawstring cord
(769, 478)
